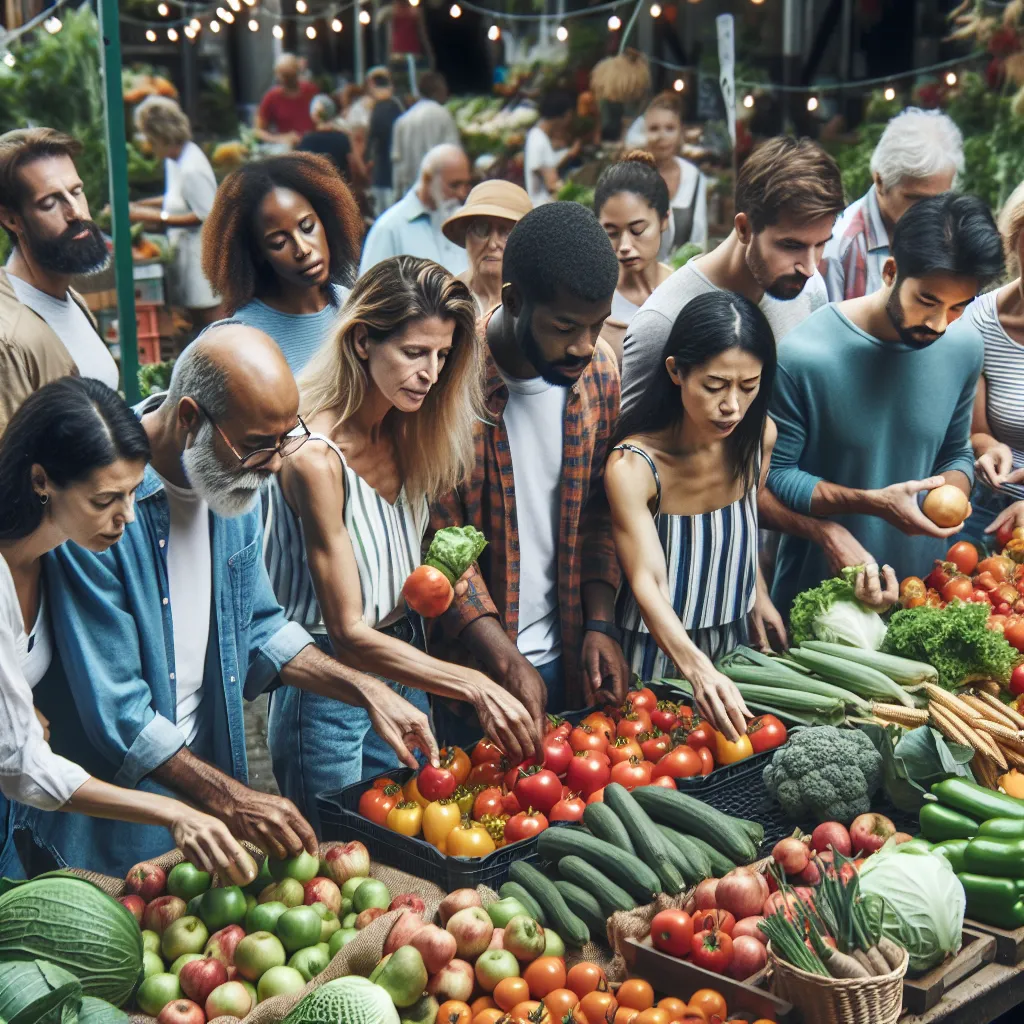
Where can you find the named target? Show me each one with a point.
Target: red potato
(742, 893)
(831, 834)
(705, 895)
(748, 957)
(869, 832)
(749, 926)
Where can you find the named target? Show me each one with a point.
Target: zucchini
(648, 841)
(612, 897)
(543, 890)
(691, 860)
(719, 863)
(695, 818)
(517, 892)
(604, 823)
(585, 907)
(630, 872)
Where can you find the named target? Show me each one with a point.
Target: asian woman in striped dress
(390, 401)
(682, 481)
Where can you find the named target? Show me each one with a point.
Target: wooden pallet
(921, 994)
(1009, 944)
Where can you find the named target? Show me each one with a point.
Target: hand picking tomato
(665, 716)
(376, 803)
(436, 783)
(583, 737)
(587, 773)
(568, 809)
(632, 773)
(731, 751)
(964, 555)
(557, 752)
(714, 921)
(655, 745)
(712, 951)
(427, 591)
(623, 749)
(672, 932)
(766, 733)
(538, 788)
(486, 750)
(680, 763)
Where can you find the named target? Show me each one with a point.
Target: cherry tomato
(766, 733)
(436, 783)
(665, 781)
(665, 716)
(672, 932)
(655, 745)
(632, 724)
(623, 749)
(643, 697)
(557, 752)
(731, 751)
(538, 788)
(959, 587)
(585, 977)
(1017, 681)
(632, 773)
(568, 809)
(486, 750)
(711, 950)
(710, 1001)
(587, 772)
(964, 556)
(488, 801)
(544, 975)
(701, 735)
(583, 737)
(680, 763)
(375, 804)
(714, 920)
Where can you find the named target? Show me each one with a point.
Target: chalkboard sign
(710, 106)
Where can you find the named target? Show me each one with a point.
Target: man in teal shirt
(873, 407)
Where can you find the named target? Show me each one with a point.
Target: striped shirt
(853, 260)
(386, 539)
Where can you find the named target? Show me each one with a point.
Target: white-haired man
(412, 227)
(919, 155)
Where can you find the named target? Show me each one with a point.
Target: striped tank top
(711, 560)
(387, 541)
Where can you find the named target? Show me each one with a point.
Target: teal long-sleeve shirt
(864, 413)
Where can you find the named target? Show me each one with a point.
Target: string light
(951, 78)
(561, 33)
(278, 32)
(310, 32)
(890, 94)
(250, 3)
(364, 17)
(235, 5)
(150, 35)
(225, 16)
(195, 24)
(336, 25)
(812, 104)
(172, 34)
(190, 32)
(53, 25)
(254, 25)
(300, 6)
(756, 3)
(655, 10)
(163, 10)
(494, 33)
(215, 26)
(615, 23)
(679, 85)
(414, 3)
(455, 11)
(748, 101)
(9, 59)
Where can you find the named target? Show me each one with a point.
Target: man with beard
(538, 610)
(873, 407)
(46, 331)
(412, 227)
(163, 636)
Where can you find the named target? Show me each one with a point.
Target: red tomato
(435, 783)
(538, 788)
(597, 797)
(490, 773)
(557, 752)
(512, 775)
(384, 782)
(524, 825)
(633, 724)
(583, 737)
(1014, 633)
(665, 716)
(680, 763)
(979, 597)
(427, 591)
(714, 921)
(766, 733)
(568, 809)
(707, 761)
(672, 932)
(958, 587)
(510, 804)
(632, 773)
(964, 556)
(1016, 681)
(655, 745)
(376, 803)
(600, 722)
(642, 697)
(712, 951)
(666, 781)
(587, 772)
(623, 749)
(939, 576)
(701, 735)
(486, 750)
(556, 724)
(488, 801)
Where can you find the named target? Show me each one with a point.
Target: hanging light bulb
(561, 33)
(150, 36)
(172, 34)
(494, 33)
(679, 85)
(364, 17)
(414, 3)
(190, 32)
(195, 24)
(336, 25)
(215, 26)
(615, 23)
(655, 10)
(300, 6)
(890, 94)
(53, 25)
(225, 16)
(756, 3)
(812, 104)
(951, 78)
(310, 32)
(250, 3)
(278, 32)
(254, 25)
(9, 59)
(748, 101)
(455, 11)
(235, 5)
(163, 10)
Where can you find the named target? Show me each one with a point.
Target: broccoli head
(825, 774)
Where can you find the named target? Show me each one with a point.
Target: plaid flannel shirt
(586, 552)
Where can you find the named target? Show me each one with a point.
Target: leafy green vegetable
(955, 639)
(832, 613)
(454, 549)
(684, 254)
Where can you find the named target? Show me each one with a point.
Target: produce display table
(979, 999)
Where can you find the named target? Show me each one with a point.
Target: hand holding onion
(897, 504)
(946, 506)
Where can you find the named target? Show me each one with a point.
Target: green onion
(900, 670)
(864, 681)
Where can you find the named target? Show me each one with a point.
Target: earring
(43, 498)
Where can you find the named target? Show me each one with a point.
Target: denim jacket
(112, 623)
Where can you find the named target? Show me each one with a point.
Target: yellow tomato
(469, 840)
(439, 818)
(406, 818)
(412, 792)
(727, 752)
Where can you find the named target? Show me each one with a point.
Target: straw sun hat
(489, 199)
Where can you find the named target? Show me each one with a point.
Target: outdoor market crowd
(620, 433)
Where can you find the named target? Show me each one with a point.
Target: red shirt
(283, 114)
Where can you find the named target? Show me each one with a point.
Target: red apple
(831, 834)
(869, 832)
(456, 901)
(229, 1000)
(407, 925)
(182, 1011)
(198, 978)
(322, 890)
(221, 946)
(162, 912)
(472, 928)
(368, 916)
(145, 880)
(136, 904)
(351, 860)
(410, 900)
(454, 981)
(435, 945)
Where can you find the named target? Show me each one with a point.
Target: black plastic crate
(341, 820)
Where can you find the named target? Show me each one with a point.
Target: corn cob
(997, 705)
(936, 695)
(955, 729)
(983, 771)
(992, 749)
(1012, 737)
(988, 712)
(1014, 757)
(899, 715)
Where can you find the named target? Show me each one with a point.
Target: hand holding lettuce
(429, 589)
(831, 612)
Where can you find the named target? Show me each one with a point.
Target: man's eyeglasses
(289, 445)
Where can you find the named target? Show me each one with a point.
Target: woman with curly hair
(391, 403)
(281, 241)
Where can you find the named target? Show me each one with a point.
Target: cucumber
(720, 864)
(585, 907)
(542, 889)
(612, 897)
(533, 908)
(604, 823)
(648, 841)
(630, 872)
(695, 818)
(688, 857)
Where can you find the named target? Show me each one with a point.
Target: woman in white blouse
(70, 461)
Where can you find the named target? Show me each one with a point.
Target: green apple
(348, 890)
(186, 935)
(298, 928)
(186, 881)
(263, 917)
(280, 981)
(349, 920)
(402, 975)
(151, 964)
(339, 939)
(346, 907)
(495, 965)
(257, 953)
(250, 901)
(156, 992)
(194, 906)
(372, 893)
(502, 911)
(311, 961)
(301, 868)
(182, 960)
(251, 989)
(423, 1011)
(328, 926)
(150, 941)
(553, 944)
(287, 891)
(221, 907)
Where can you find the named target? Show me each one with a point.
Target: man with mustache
(537, 612)
(873, 406)
(164, 635)
(46, 331)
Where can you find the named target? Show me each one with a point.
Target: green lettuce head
(454, 549)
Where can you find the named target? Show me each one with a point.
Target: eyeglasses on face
(289, 444)
(482, 227)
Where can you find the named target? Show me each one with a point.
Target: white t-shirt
(30, 772)
(72, 326)
(190, 580)
(189, 187)
(537, 153)
(534, 420)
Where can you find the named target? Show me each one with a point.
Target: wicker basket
(839, 1000)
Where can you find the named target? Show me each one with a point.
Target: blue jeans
(319, 745)
(10, 862)
(986, 504)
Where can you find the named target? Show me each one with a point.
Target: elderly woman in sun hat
(482, 227)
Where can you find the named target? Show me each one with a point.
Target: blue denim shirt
(112, 622)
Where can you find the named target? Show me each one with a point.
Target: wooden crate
(1009, 944)
(671, 976)
(921, 994)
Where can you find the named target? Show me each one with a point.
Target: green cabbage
(832, 613)
(351, 1000)
(454, 549)
(37, 992)
(923, 903)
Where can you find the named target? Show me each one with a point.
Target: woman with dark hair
(70, 461)
(631, 202)
(280, 243)
(682, 481)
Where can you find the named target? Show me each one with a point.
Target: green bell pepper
(1002, 828)
(1001, 858)
(977, 801)
(995, 901)
(915, 846)
(953, 850)
(939, 823)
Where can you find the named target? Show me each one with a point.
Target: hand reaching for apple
(207, 843)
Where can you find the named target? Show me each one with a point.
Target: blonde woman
(390, 402)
